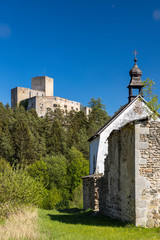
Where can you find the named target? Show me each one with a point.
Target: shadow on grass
(77, 216)
(71, 210)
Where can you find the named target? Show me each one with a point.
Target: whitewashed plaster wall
(99, 146)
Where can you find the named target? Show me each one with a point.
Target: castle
(41, 98)
(124, 180)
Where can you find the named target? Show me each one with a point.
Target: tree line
(53, 150)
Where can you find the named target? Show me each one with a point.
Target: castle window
(65, 106)
(76, 109)
(54, 105)
(72, 108)
(42, 94)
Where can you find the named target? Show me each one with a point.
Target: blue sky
(85, 45)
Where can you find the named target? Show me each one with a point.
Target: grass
(21, 225)
(74, 224)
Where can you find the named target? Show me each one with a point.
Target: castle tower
(135, 85)
(44, 84)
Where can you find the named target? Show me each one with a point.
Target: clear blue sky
(85, 45)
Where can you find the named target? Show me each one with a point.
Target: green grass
(79, 225)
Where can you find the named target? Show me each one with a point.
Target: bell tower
(135, 85)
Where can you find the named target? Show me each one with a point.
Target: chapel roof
(121, 110)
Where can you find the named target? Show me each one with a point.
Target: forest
(42, 160)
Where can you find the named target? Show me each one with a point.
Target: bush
(57, 171)
(77, 201)
(18, 189)
(4, 165)
(52, 199)
(39, 171)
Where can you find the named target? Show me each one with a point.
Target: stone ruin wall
(130, 188)
(91, 192)
(116, 187)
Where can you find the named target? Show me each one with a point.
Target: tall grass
(20, 225)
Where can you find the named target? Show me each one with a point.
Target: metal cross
(135, 53)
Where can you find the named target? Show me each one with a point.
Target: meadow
(74, 224)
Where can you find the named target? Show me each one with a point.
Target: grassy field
(78, 225)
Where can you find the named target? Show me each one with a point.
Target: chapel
(124, 179)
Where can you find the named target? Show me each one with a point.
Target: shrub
(77, 201)
(57, 171)
(18, 189)
(39, 171)
(4, 165)
(52, 199)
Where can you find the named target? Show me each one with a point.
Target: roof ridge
(115, 116)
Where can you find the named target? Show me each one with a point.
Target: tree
(96, 104)
(77, 124)
(55, 139)
(39, 171)
(151, 97)
(78, 167)
(57, 170)
(98, 116)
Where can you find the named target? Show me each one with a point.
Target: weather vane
(135, 53)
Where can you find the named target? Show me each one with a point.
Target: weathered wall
(117, 186)
(87, 110)
(43, 83)
(137, 109)
(19, 94)
(44, 103)
(147, 173)
(49, 89)
(130, 187)
(14, 102)
(91, 192)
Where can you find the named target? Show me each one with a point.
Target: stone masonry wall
(147, 173)
(116, 188)
(130, 187)
(91, 192)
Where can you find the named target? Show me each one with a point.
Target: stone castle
(41, 98)
(124, 180)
